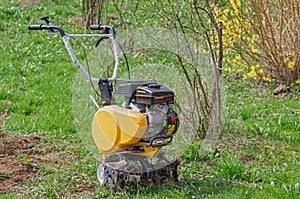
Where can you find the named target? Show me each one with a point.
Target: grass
(258, 156)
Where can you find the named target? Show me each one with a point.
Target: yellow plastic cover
(115, 128)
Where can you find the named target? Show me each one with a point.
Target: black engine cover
(153, 94)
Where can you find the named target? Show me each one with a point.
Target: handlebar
(50, 27)
(35, 27)
(53, 28)
(104, 28)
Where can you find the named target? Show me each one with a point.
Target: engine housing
(156, 102)
(153, 94)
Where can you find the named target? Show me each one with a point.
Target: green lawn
(258, 156)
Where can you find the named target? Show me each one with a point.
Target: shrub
(261, 39)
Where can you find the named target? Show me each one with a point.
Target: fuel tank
(115, 128)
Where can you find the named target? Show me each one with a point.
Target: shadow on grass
(185, 188)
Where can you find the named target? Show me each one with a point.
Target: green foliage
(230, 168)
(267, 116)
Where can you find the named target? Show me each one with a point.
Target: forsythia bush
(261, 44)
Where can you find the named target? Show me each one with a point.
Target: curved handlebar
(50, 27)
(104, 28)
(53, 27)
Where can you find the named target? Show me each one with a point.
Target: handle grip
(100, 27)
(35, 27)
(105, 29)
(96, 27)
(50, 27)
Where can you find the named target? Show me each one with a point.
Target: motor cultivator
(129, 135)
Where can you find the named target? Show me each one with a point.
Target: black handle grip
(50, 27)
(96, 27)
(104, 28)
(35, 27)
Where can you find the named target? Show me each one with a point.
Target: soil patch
(21, 157)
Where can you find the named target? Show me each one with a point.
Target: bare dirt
(21, 158)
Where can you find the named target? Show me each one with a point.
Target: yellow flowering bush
(258, 43)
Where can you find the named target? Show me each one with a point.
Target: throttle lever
(46, 19)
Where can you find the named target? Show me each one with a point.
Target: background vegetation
(257, 156)
(262, 39)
